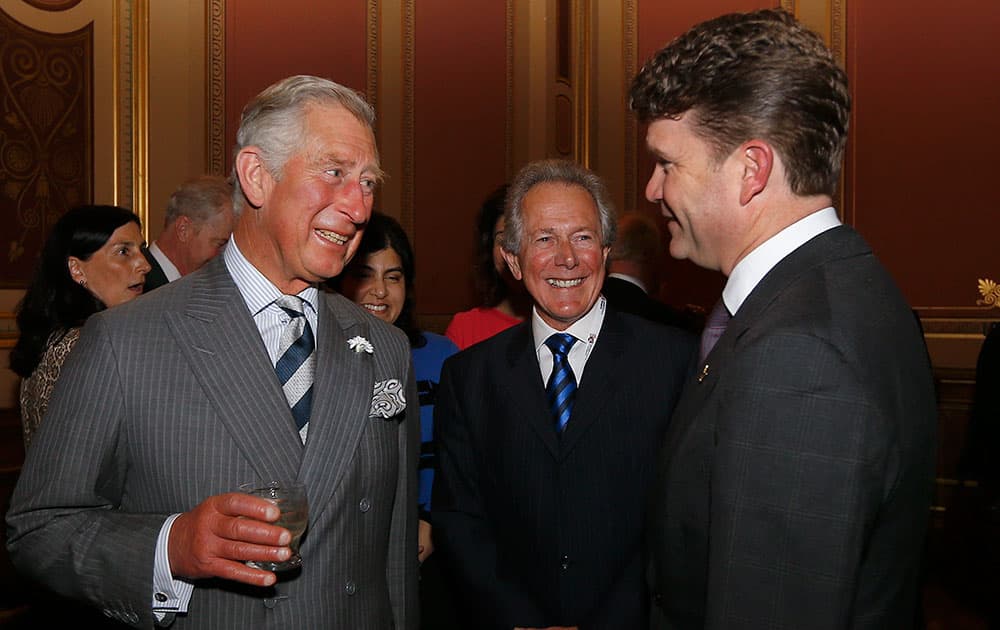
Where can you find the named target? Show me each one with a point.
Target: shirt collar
(168, 267)
(583, 329)
(258, 292)
(751, 270)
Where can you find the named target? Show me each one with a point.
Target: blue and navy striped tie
(296, 360)
(561, 387)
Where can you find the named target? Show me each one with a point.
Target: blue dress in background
(427, 366)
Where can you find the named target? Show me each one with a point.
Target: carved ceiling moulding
(216, 87)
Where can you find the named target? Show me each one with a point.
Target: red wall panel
(921, 170)
(460, 102)
(267, 41)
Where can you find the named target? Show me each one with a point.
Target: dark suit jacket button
(350, 588)
(270, 602)
(565, 563)
(365, 505)
(658, 598)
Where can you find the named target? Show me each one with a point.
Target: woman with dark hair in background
(91, 261)
(505, 302)
(380, 279)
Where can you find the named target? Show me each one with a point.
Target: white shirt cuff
(170, 596)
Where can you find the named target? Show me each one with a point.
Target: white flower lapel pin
(388, 399)
(359, 344)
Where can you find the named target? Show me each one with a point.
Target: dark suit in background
(629, 297)
(155, 278)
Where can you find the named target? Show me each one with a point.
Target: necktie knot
(560, 344)
(293, 305)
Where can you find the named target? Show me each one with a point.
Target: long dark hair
(54, 303)
(384, 232)
(491, 285)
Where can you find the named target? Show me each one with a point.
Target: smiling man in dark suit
(796, 477)
(126, 500)
(547, 432)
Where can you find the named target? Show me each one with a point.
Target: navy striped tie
(296, 360)
(561, 387)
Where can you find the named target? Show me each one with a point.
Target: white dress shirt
(586, 329)
(168, 267)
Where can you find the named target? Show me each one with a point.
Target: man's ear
(184, 228)
(253, 175)
(757, 159)
(512, 263)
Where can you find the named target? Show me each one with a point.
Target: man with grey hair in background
(242, 372)
(547, 432)
(196, 228)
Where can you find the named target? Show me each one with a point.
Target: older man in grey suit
(796, 476)
(126, 501)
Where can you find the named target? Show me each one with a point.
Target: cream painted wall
(177, 101)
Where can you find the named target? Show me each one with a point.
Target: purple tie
(715, 325)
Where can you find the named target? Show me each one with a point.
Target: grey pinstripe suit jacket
(171, 398)
(796, 478)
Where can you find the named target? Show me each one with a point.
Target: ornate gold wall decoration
(990, 291)
(406, 217)
(508, 132)
(216, 59)
(631, 124)
(46, 137)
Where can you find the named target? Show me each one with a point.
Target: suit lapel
(604, 369)
(220, 341)
(839, 242)
(526, 388)
(342, 397)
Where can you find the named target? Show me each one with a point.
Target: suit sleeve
(402, 566)
(800, 468)
(462, 528)
(64, 526)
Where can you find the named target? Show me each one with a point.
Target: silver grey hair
(272, 121)
(199, 199)
(558, 172)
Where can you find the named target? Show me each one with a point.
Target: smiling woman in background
(91, 261)
(380, 279)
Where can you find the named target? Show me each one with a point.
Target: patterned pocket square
(388, 399)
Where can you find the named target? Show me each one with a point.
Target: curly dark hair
(491, 285)
(384, 232)
(755, 75)
(54, 303)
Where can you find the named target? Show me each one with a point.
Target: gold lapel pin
(704, 373)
